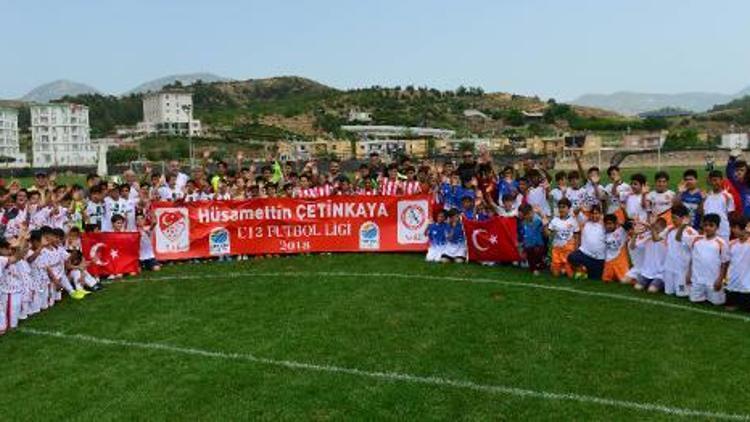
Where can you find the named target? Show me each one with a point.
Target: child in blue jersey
(445, 194)
(691, 196)
(507, 185)
(531, 236)
(452, 192)
(468, 209)
(437, 235)
(455, 250)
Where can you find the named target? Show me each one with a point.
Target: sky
(558, 49)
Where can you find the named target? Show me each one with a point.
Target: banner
(111, 253)
(286, 225)
(493, 240)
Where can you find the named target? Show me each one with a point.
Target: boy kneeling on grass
(654, 251)
(589, 257)
(455, 249)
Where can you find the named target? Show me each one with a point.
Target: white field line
(396, 376)
(653, 302)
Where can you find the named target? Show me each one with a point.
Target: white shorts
(675, 283)
(435, 253)
(35, 305)
(455, 250)
(3, 307)
(703, 292)
(44, 297)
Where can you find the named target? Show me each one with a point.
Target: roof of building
(58, 105)
(168, 91)
(393, 130)
(475, 113)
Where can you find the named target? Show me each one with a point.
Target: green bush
(121, 155)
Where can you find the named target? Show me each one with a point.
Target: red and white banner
(286, 225)
(111, 253)
(493, 240)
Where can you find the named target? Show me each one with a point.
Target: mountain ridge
(57, 89)
(184, 78)
(632, 103)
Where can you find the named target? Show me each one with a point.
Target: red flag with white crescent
(493, 240)
(111, 253)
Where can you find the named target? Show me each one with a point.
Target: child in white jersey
(720, 202)
(146, 251)
(79, 276)
(637, 238)
(574, 193)
(634, 208)
(616, 265)
(12, 284)
(654, 251)
(59, 259)
(558, 192)
(616, 193)
(679, 238)
(738, 286)
(659, 201)
(509, 207)
(563, 230)
(589, 256)
(40, 258)
(593, 192)
(708, 263)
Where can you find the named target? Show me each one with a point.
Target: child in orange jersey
(616, 264)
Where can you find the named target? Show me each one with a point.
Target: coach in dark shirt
(468, 167)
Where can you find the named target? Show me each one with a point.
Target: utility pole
(187, 108)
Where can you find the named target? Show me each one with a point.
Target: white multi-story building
(169, 112)
(10, 154)
(60, 136)
(735, 141)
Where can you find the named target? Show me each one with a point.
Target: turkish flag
(493, 240)
(111, 252)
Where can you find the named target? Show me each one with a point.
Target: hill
(184, 79)
(56, 90)
(317, 109)
(735, 112)
(297, 107)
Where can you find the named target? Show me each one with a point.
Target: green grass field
(373, 337)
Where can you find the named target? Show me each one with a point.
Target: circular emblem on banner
(413, 217)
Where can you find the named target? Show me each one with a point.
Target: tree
(682, 139)
(466, 146)
(514, 117)
(121, 155)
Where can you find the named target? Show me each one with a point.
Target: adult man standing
(180, 177)
(467, 170)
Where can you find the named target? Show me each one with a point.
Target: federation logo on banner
(369, 236)
(172, 230)
(412, 221)
(218, 242)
